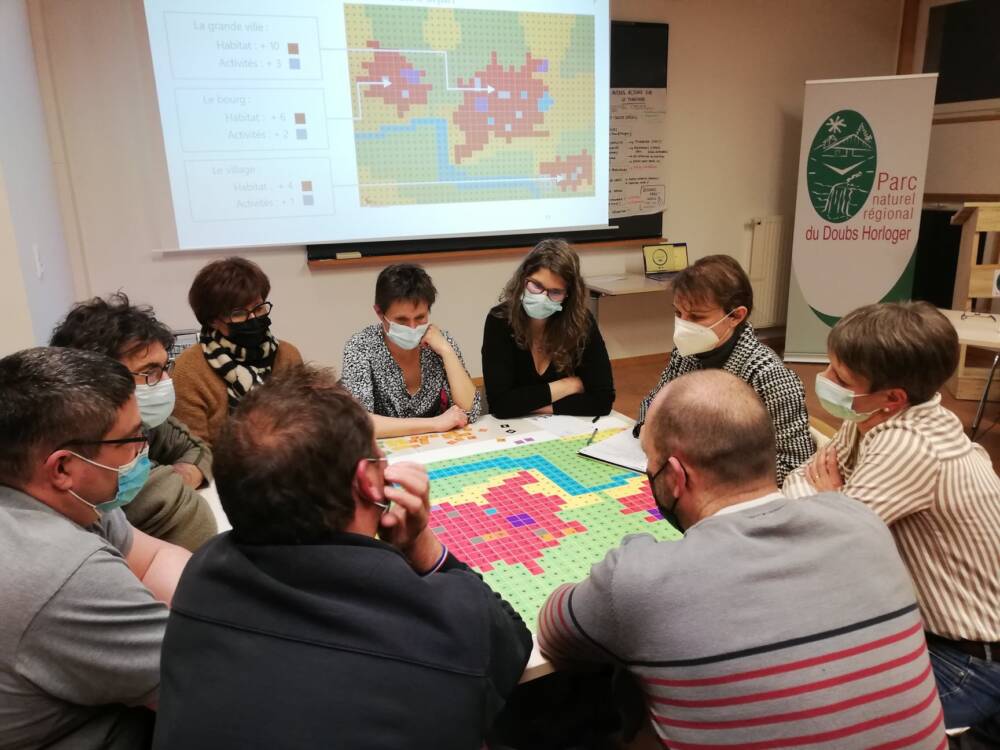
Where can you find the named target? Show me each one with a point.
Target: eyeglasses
(242, 315)
(155, 373)
(556, 295)
(141, 440)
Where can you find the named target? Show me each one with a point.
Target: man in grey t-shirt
(83, 594)
(772, 622)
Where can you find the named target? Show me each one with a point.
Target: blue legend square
(294, 63)
(300, 134)
(307, 200)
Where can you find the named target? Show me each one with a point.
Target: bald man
(772, 622)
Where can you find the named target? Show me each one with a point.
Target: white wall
(735, 90)
(35, 274)
(16, 332)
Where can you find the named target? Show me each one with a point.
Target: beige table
(618, 285)
(981, 330)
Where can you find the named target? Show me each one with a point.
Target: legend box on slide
(241, 46)
(251, 119)
(224, 190)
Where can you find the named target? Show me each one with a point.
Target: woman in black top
(542, 350)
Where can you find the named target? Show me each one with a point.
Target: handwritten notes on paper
(638, 152)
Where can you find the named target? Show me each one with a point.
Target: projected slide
(322, 121)
(425, 134)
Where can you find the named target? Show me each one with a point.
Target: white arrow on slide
(384, 83)
(447, 76)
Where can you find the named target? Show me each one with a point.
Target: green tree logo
(840, 170)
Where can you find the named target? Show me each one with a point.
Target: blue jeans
(969, 689)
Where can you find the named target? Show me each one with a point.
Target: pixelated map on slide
(536, 514)
(470, 105)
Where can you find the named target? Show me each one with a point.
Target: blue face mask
(539, 306)
(405, 337)
(131, 478)
(156, 402)
(839, 401)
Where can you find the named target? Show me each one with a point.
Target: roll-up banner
(857, 211)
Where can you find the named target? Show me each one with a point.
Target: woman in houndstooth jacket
(712, 301)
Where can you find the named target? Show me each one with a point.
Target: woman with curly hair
(542, 350)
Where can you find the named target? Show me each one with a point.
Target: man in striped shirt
(772, 623)
(908, 459)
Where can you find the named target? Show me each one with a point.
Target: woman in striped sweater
(907, 458)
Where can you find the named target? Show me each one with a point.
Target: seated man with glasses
(83, 594)
(300, 628)
(237, 350)
(168, 505)
(542, 350)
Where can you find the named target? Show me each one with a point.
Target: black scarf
(240, 367)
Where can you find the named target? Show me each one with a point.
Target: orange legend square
(307, 186)
(300, 118)
(293, 48)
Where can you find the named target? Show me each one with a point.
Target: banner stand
(862, 164)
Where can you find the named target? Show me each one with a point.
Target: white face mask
(156, 402)
(838, 400)
(692, 338)
(405, 337)
(539, 306)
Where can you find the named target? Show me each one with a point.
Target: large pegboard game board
(534, 514)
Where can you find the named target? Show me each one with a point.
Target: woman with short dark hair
(236, 351)
(542, 350)
(408, 373)
(907, 457)
(713, 300)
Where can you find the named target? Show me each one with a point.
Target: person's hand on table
(190, 473)
(404, 525)
(822, 470)
(451, 419)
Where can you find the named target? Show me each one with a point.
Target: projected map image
(455, 106)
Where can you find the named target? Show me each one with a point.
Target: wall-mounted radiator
(770, 265)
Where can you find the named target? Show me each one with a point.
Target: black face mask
(668, 513)
(251, 333)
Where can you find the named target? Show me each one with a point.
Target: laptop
(663, 261)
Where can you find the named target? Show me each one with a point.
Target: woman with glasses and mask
(236, 350)
(166, 505)
(542, 350)
(713, 300)
(408, 373)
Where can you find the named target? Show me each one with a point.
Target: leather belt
(987, 651)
